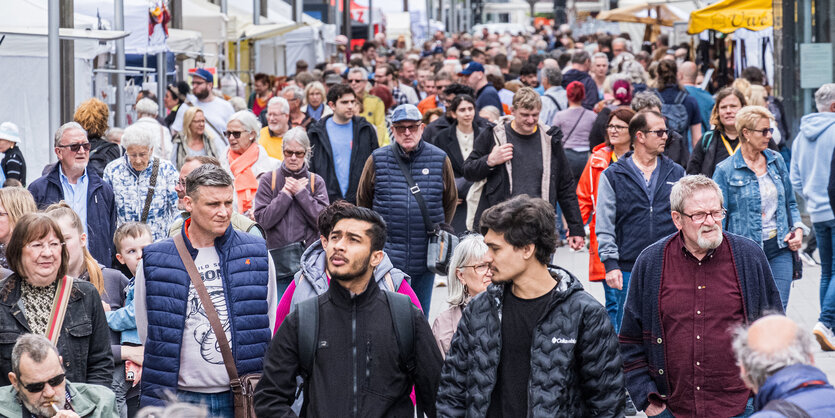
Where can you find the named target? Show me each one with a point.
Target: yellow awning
(650, 13)
(730, 15)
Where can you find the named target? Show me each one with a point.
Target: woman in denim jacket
(757, 192)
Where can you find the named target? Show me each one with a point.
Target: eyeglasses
(355, 81)
(660, 132)
(616, 127)
(298, 154)
(39, 246)
(38, 387)
(77, 146)
(479, 268)
(235, 134)
(701, 217)
(400, 129)
(138, 155)
(764, 132)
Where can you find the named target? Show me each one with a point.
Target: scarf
(245, 182)
(37, 301)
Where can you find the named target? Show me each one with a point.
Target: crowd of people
(203, 241)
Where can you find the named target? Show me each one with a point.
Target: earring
(466, 290)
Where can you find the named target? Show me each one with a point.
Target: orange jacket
(587, 198)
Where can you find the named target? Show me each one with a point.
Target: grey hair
(600, 55)
(620, 41)
(359, 70)
(67, 127)
(238, 103)
(298, 93)
(492, 110)
(146, 107)
(299, 136)
(553, 75)
(645, 100)
(141, 135)
(279, 101)
(249, 121)
(687, 186)
(173, 410)
(760, 366)
(634, 69)
(824, 97)
(472, 247)
(37, 347)
(207, 175)
(114, 135)
(315, 86)
(580, 57)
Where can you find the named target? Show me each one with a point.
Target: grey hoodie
(811, 158)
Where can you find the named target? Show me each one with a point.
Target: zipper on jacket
(354, 350)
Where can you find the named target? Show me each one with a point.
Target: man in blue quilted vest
(182, 353)
(383, 188)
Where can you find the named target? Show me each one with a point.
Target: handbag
(242, 387)
(441, 242)
(151, 186)
(797, 263)
(287, 260)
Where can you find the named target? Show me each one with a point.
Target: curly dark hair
(524, 220)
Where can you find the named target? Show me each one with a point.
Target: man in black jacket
(534, 344)
(357, 369)
(341, 144)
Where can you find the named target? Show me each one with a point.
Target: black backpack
(676, 113)
(401, 316)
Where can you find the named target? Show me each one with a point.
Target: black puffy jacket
(576, 368)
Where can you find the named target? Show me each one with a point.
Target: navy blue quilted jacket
(244, 268)
(576, 369)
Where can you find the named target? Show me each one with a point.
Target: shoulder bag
(797, 263)
(242, 387)
(151, 186)
(441, 242)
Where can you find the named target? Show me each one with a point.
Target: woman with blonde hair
(92, 116)
(193, 140)
(14, 203)
(314, 101)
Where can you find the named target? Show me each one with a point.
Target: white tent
(136, 22)
(23, 69)
(205, 18)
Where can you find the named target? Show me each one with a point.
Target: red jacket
(587, 198)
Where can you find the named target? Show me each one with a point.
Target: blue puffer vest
(244, 268)
(407, 235)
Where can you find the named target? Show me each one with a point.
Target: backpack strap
(706, 138)
(404, 329)
(680, 97)
(559, 108)
(272, 182)
(308, 334)
(312, 183)
(786, 408)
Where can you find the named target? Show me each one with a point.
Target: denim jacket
(741, 193)
(124, 319)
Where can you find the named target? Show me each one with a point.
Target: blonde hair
(748, 117)
(18, 202)
(744, 86)
(758, 96)
(61, 210)
(526, 98)
(187, 118)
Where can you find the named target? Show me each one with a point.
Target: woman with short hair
(468, 276)
(576, 123)
(144, 186)
(248, 160)
(759, 198)
(314, 101)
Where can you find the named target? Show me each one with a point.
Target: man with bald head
(687, 73)
(775, 361)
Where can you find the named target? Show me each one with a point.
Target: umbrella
(648, 13)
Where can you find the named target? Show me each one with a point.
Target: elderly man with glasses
(688, 291)
(385, 188)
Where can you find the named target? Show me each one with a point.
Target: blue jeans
(423, 285)
(749, 410)
(780, 260)
(219, 405)
(825, 233)
(616, 299)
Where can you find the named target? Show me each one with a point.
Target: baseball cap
(8, 131)
(204, 74)
(405, 112)
(471, 68)
(332, 79)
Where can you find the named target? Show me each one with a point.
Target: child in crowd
(130, 238)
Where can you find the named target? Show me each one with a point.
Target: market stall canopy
(730, 15)
(650, 13)
(259, 32)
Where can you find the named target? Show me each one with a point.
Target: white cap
(9, 132)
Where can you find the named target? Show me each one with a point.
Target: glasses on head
(660, 132)
(479, 268)
(355, 81)
(38, 387)
(616, 127)
(76, 147)
(39, 246)
(763, 132)
(235, 134)
(297, 154)
(701, 217)
(401, 129)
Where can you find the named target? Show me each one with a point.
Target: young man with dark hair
(534, 343)
(342, 142)
(528, 77)
(361, 365)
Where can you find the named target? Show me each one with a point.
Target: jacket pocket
(78, 343)
(7, 341)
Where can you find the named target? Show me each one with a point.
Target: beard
(36, 409)
(356, 269)
(202, 95)
(707, 243)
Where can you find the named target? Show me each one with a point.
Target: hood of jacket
(313, 264)
(574, 75)
(815, 124)
(786, 380)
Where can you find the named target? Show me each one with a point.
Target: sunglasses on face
(400, 129)
(38, 387)
(76, 147)
(660, 132)
(234, 134)
(355, 81)
(298, 154)
(764, 132)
